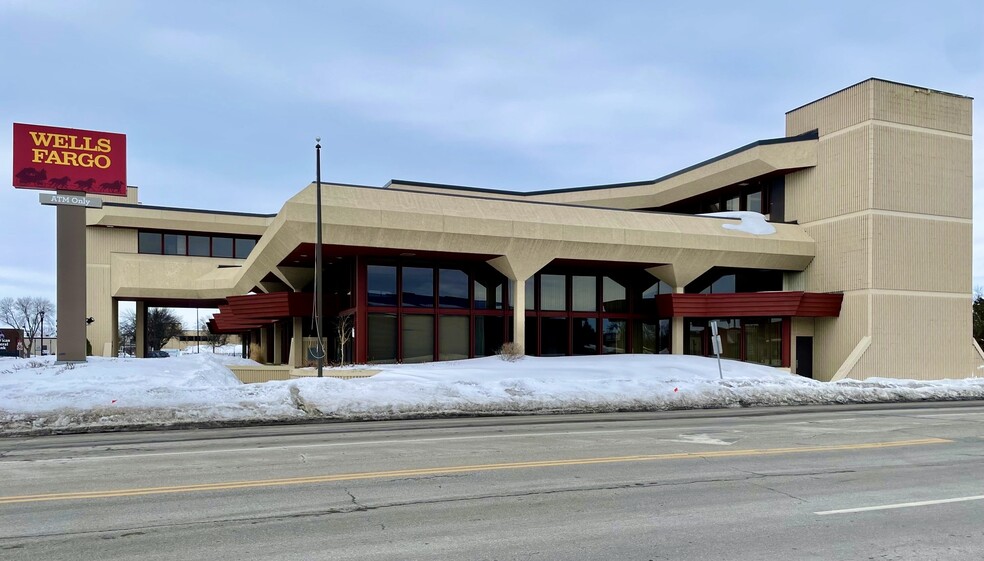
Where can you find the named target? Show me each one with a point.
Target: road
(821, 483)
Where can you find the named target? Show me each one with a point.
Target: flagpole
(318, 271)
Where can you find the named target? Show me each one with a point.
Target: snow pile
(751, 222)
(37, 394)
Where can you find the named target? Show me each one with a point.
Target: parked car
(157, 354)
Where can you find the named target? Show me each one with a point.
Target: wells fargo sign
(69, 160)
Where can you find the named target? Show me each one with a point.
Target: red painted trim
(750, 304)
(361, 312)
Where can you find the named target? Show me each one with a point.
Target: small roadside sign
(70, 200)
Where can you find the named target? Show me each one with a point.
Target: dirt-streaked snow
(106, 392)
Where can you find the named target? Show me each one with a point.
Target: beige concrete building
(863, 269)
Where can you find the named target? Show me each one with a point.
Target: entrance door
(804, 356)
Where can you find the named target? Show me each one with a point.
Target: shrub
(509, 352)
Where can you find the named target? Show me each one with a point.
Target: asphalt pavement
(825, 483)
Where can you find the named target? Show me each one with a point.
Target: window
(418, 287)
(243, 247)
(753, 202)
(613, 296)
(174, 244)
(553, 292)
(200, 246)
(149, 242)
(488, 334)
(453, 288)
(418, 338)
(382, 285)
(382, 338)
(553, 336)
(614, 336)
(584, 291)
(585, 336)
(221, 247)
(454, 337)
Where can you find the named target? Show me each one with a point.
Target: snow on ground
(199, 388)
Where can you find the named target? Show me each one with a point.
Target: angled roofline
(195, 210)
(809, 135)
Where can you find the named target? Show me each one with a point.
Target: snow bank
(37, 394)
(751, 222)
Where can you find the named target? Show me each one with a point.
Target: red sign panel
(55, 158)
(10, 342)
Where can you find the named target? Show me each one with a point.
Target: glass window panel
(453, 338)
(724, 285)
(694, 342)
(763, 341)
(714, 206)
(488, 335)
(481, 296)
(200, 246)
(614, 336)
(453, 289)
(585, 336)
(553, 292)
(418, 287)
(645, 337)
(243, 247)
(382, 338)
(665, 333)
(221, 247)
(149, 242)
(553, 336)
(584, 292)
(418, 338)
(531, 335)
(529, 291)
(732, 204)
(754, 201)
(730, 333)
(174, 244)
(613, 296)
(381, 280)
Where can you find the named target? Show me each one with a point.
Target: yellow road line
(457, 469)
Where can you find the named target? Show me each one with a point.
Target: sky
(221, 101)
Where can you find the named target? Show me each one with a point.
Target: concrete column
(519, 314)
(296, 352)
(114, 329)
(71, 274)
(676, 330)
(265, 344)
(140, 345)
(277, 344)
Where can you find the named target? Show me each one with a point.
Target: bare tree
(214, 339)
(162, 326)
(343, 334)
(26, 313)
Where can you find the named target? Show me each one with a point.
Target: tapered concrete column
(676, 330)
(519, 315)
(278, 339)
(296, 352)
(140, 345)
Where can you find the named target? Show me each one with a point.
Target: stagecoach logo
(69, 160)
(9, 342)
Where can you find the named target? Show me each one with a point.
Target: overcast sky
(221, 101)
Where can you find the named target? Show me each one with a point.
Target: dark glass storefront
(758, 340)
(418, 313)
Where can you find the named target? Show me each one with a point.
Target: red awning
(750, 304)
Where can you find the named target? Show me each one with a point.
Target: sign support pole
(70, 229)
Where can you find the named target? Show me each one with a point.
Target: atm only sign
(55, 158)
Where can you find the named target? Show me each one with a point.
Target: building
(868, 271)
